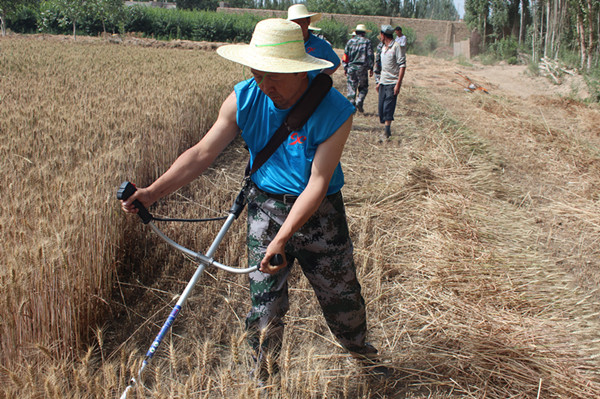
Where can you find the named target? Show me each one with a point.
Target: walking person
(295, 206)
(315, 46)
(358, 62)
(389, 73)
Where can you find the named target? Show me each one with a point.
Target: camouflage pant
(358, 81)
(324, 251)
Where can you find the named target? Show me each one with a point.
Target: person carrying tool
(390, 66)
(358, 66)
(315, 46)
(295, 207)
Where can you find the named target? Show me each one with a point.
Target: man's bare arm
(326, 159)
(194, 161)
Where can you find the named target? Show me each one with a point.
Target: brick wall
(446, 32)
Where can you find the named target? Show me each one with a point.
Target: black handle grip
(276, 260)
(125, 191)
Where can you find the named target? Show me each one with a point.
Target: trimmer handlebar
(125, 191)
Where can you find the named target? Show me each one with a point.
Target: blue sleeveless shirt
(287, 171)
(319, 48)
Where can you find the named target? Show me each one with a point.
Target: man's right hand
(142, 195)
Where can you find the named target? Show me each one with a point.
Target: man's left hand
(265, 263)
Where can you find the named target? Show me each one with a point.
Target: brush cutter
(125, 191)
(470, 85)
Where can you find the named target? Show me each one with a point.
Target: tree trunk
(484, 32)
(559, 17)
(555, 30)
(2, 25)
(591, 41)
(597, 38)
(521, 24)
(534, 37)
(547, 40)
(581, 31)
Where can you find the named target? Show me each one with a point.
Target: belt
(288, 198)
(285, 198)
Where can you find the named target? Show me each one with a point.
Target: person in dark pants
(358, 66)
(389, 73)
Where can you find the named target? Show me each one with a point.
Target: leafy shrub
(53, 18)
(335, 32)
(505, 49)
(24, 20)
(220, 27)
(592, 79)
(533, 68)
(197, 4)
(430, 43)
(138, 20)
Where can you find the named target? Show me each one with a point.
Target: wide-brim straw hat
(277, 45)
(361, 28)
(299, 11)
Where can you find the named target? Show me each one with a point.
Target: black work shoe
(359, 107)
(369, 361)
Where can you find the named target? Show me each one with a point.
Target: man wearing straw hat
(295, 207)
(358, 66)
(315, 46)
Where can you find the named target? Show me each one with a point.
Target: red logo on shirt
(297, 139)
(310, 49)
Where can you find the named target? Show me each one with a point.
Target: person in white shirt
(389, 73)
(400, 38)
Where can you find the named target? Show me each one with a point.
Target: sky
(460, 7)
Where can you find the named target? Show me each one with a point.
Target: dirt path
(501, 79)
(525, 161)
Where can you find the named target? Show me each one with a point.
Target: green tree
(586, 14)
(9, 7)
(431, 9)
(111, 12)
(476, 16)
(435, 9)
(73, 11)
(357, 7)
